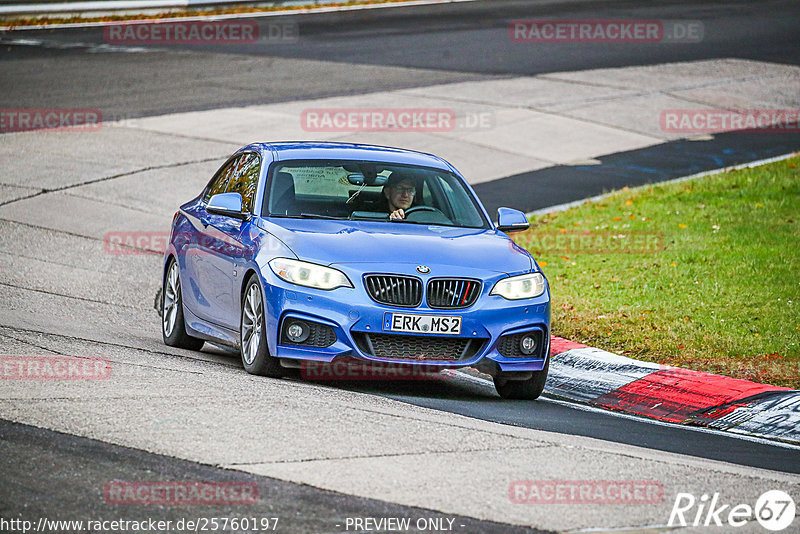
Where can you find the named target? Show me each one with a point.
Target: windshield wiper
(318, 216)
(304, 216)
(406, 221)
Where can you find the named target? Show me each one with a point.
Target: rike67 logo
(774, 510)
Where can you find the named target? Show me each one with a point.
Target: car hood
(345, 242)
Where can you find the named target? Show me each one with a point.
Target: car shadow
(443, 387)
(429, 386)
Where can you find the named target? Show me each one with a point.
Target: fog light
(297, 331)
(527, 344)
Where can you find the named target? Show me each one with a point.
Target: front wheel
(253, 334)
(529, 389)
(173, 327)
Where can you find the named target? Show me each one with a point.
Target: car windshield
(356, 190)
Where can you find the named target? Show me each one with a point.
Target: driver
(399, 191)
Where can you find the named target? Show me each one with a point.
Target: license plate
(423, 324)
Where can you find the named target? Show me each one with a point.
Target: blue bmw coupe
(313, 252)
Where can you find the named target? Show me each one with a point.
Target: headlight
(524, 286)
(308, 274)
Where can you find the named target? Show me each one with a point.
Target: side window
(220, 181)
(244, 178)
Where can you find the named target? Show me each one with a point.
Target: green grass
(720, 292)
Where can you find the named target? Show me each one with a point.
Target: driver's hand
(397, 214)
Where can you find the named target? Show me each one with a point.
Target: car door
(218, 252)
(234, 238)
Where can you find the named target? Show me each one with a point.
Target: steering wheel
(414, 209)
(435, 215)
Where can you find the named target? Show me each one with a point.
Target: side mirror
(228, 204)
(510, 220)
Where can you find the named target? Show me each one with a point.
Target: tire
(173, 327)
(253, 334)
(529, 389)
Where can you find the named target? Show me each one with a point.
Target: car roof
(294, 150)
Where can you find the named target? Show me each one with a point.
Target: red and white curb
(599, 378)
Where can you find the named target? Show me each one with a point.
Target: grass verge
(702, 274)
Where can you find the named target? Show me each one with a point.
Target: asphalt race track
(320, 453)
(40, 468)
(360, 52)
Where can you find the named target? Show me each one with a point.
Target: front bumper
(354, 317)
